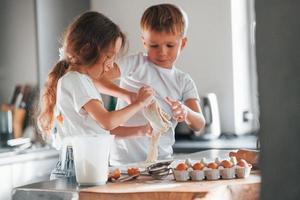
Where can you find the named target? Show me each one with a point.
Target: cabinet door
(32, 171)
(5, 182)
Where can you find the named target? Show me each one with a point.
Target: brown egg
(115, 174)
(242, 163)
(60, 118)
(226, 164)
(198, 166)
(133, 171)
(212, 165)
(181, 167)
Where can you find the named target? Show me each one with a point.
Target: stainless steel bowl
(159, 170)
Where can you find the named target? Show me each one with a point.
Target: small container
(181, 175)
(197, 175)
(227, 169)
(212, 174)
(91, 156)
(243, 172)
(6, 127)
(228, 173)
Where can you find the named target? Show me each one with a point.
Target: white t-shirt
(74, 90)
(137, 71)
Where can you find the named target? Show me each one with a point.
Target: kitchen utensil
(18, 121)
(126, 178)
(91, 158)
(65, 169)
(6, 127)
(134, 85)
(159, 170)
(210, 110)
(18, 141)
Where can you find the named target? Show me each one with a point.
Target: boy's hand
(179, 110)
(145, 95)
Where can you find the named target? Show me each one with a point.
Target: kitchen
(40, 49)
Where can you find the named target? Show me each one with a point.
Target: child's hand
(179, 110)
(145, 95)
(148, 130)
(131, 97)
(250, 156)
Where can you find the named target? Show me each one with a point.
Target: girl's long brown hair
(84, 41)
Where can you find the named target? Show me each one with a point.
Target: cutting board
(146, 188)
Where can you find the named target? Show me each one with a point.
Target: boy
(164, 28)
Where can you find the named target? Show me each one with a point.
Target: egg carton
(207, 173)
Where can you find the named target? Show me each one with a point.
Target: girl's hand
(148, 130)
(131, 97)
(179, 110)
(145, 95)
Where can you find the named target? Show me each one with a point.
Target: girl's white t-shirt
(137, 71)
(74, 90)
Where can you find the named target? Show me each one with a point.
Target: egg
(133, 171)
(242, 163)
(60, 118)
(115, 174)
(212, 165)
(198, 166)
(181, 167)
(226, 164)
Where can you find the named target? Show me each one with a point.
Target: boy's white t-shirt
(137, 71)
(74, 90)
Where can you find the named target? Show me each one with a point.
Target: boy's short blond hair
(165, 17)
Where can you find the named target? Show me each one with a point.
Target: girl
(90, 46)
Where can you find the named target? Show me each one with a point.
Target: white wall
(53, 17)
(209, 55)
(18, 46)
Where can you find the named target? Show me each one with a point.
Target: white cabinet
(23, 169)
(5, 182)
(32, 171)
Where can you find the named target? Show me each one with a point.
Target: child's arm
(189, 112)
(124, 131)
(111, 120)
(106, 85)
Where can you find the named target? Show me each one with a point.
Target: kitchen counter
(145, 187)
(229, 142)
(24, 166)
(9, 156)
